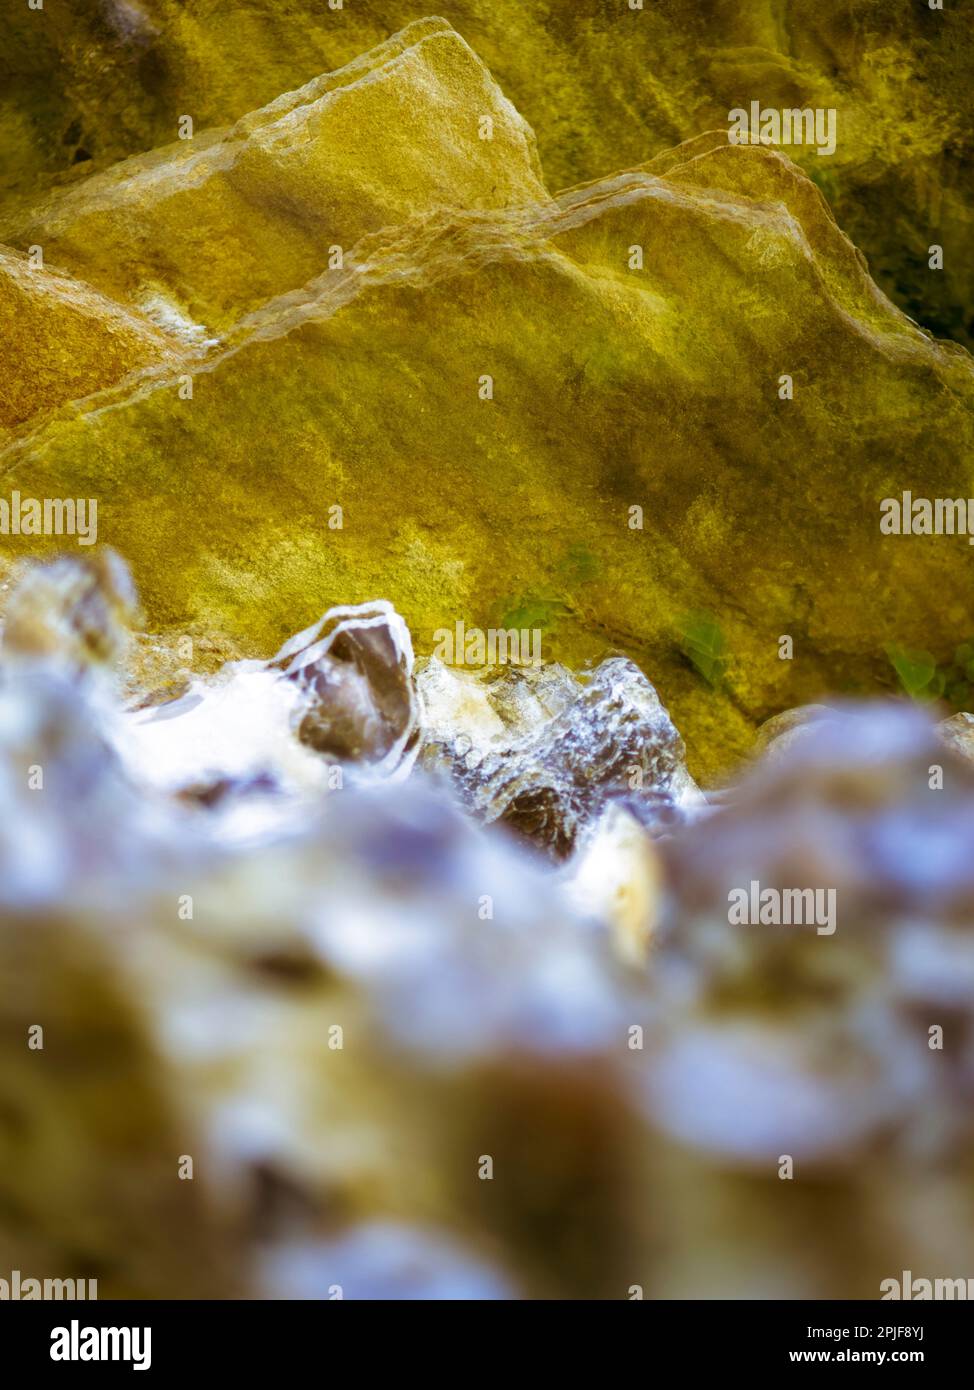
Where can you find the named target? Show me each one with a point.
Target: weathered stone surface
(605, 86)
(762, 512)
(61, 340)
(210, 227)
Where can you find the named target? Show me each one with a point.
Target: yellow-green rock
(487, 395)
(217, 223)
(604, 85)
(62, 340)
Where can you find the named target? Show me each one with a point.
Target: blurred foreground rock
(336, 1032)
(405, 1061)
(777, 1040)
(340, 1024)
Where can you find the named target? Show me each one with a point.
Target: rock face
(540, 350)
(211, 227)
(62, 341)
(604, 85)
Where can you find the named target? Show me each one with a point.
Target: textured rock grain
(612, 387)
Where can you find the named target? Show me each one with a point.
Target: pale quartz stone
(543, 752)
(338, 695)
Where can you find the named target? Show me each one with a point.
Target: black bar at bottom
(251, 1338)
